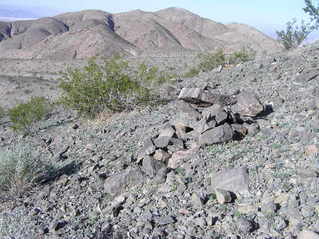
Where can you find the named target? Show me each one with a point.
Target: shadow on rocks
(53, 173)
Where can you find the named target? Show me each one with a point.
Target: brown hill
(92, 32)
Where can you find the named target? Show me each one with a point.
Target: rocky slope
(89, 33)
(235, 157)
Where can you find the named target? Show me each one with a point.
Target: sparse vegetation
(294, 34)
(210, 61)
(313, 12)
(192, 72)
(240, 56)
(108, 87)
(18, 168)
(23, 116)
(150, 76)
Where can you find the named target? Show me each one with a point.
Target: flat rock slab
(220, 134)
(196, 96)
(119, 182)
(233, 180)
(247, 104)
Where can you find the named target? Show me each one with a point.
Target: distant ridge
(97, 33)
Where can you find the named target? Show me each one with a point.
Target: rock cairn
(203, 118)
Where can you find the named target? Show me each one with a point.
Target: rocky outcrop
(204, 118)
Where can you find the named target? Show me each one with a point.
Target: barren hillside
(89, 33)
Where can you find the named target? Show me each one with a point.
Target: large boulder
(215, 112)
(247, 105)
(152, 166)
(120, 182)
(220, 134)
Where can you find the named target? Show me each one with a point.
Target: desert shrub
(23, 116)
(294, 34)
(150, 76)
(210, 61)
(240, 56)
(313, 11)
(107, 87)
(191, 73)
(18, 168)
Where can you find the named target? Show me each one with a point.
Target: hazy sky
(263, 14)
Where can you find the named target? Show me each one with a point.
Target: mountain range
(88, 33)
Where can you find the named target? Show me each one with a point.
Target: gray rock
(152, 166)
(247, 105)
(178, 157)
(119, 182)
(188, 110)
(162, 141)
(175, 145)
(268, 208)
(244, 225)
(308, 235)
(167, 131)
(204, 125)
(223, 196)
(234, 180)
(216, 113)
(165, 220)
(148, 149)
(161, 155)
(195, 95)
(220, 134)
(164, 137)
(279, 224)
(197, 201)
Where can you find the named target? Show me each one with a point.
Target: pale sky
(266, 15)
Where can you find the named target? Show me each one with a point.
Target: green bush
(23, 116)
(18, 168)
(294, 34)
(191, 73)
(240, 56)
(151, 76)
(112, 87)
(211, 60)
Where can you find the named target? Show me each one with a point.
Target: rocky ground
(215, 162)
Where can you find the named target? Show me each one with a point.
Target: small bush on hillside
(294, 34)
(240, 56)
(18, 168)
(191, 73)
(151, 76)
(210, 61)
(313, 11)
(23, 116)
(107, 87)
